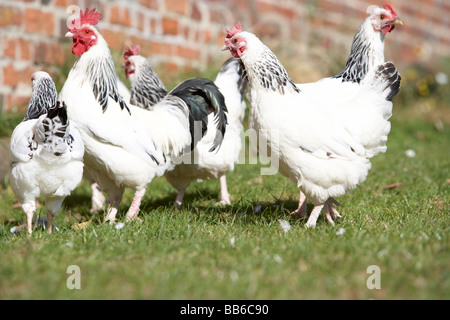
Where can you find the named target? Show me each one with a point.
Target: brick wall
(188, 34)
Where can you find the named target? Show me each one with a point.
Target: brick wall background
(188, 34)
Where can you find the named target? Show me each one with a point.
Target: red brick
(264, 7)
(152, 4)
(196, 13)
(12, 77)
(37, 21)
(48, 53)
(120, 15)
(115, 39)
(239, 5)
(143, 42)
(10, 16)
(178, 6)
(141, 21)
(64, 3)
(17, 48)
(207, 36)
(170, 66)
(162, 48)
(188, 53)
(218, 16)
(152, 25)
(170, 26)
(9, 47)
(268, 29)
(19, 102)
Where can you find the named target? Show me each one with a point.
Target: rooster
(147, 89)
(97, 198)
(323, 133)
(46, 152)
(127, 146)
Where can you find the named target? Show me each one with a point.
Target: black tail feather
(203, 97)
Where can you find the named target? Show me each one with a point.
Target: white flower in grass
(284, 225)
(119, 225)
(277, 258)
(441, 78)
(232, 242)
(410, 153)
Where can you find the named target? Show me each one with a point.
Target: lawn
(397, 220)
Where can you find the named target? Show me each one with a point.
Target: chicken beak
(225, 48)
(398, 21)
(69, 35)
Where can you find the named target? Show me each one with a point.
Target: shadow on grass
(199, 202)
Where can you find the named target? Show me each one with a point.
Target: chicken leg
(328, 208)
(113, 208)
(179, 199)
(224, 195)
(97, 199)
(302, 206)
(134, 208)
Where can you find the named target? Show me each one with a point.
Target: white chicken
(97, 197)
(367, 53)
(323, 134)
(125, 145)
(147, 89)
(203, 164)
(46, 153)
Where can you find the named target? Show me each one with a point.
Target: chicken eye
(235, 40)
(382, 17)
(87, 31)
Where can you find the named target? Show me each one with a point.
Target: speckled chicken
(46, 153)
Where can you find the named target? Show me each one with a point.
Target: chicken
(367, 53)
(125, 145)
(147, 89)
(97, 198)
(322, 134)
(203, 164)
(46, 153)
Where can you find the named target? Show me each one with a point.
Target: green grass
(187, 254)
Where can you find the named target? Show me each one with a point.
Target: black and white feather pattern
(103, 78)
(201, 96)
(387, 79)
(236, 65)
(147, 89)
(42, 99)
(46, 152)
(272, 76)
(53, 133)
(358, 62)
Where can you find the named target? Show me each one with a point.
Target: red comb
(233, 30)
(389, 8)
(88, 17)
(131, 51)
